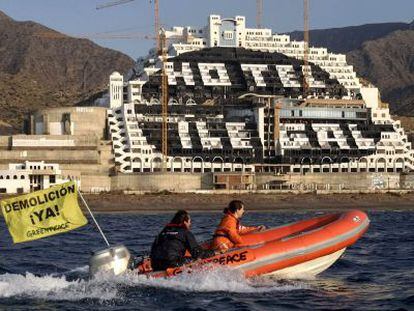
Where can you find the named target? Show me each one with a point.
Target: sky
(80, 17)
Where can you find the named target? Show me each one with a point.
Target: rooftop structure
(31, 176)
(233, 109)
(232, 32)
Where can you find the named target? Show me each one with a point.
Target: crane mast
(157, 24)
(164, 100)
(161, 48)
(112, 3)
(156, 16)
(259, 13)
(305, 47)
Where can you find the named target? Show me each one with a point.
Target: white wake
(109, 287)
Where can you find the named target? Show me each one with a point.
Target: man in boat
(170, 246)
(229, 231)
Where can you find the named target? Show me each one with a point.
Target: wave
(51, 287)
(217, 280)
(106, 287)
(83, 269)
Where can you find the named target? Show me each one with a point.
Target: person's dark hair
(180, 217)
(233, 206)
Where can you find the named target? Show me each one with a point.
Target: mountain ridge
(380, 53)
(41, 68)
(388, 63)
(344, 39)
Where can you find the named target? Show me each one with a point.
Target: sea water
(376, 273)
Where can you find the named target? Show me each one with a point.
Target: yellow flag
(43, 213)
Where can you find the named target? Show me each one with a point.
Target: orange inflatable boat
(306, 247)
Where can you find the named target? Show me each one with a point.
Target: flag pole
(96, 223)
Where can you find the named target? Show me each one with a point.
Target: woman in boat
(170, 246)
(229, 231)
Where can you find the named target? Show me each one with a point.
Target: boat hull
(304, 248)
(309, 268)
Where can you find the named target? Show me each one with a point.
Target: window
(228, 35)
(52, 179)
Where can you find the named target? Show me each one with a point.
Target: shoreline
(154, 203)
(164, 203)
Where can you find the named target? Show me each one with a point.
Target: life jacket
(228, 233)
(172, 245)
(175, 226)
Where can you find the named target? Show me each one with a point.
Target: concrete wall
(264, 178)
(344, 181)
(12, 181)
(179, 182)
(5, 142)
(19, 142)
(86, 169)
(95, 183)
(70, 120)
(83, 155)
(50, 156)
(407, 181)
(160, 181)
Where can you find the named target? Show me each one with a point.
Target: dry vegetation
(38, 70)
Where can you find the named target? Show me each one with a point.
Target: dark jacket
(170, 245)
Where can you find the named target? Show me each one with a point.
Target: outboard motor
(114, 259)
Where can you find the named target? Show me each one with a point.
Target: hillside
(389, 63)
(346, 39)
(381, 53)
(40, 67)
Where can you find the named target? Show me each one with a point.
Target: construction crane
(91, 36)
(164, 101)
(113, 3)
(156, 16)
(259, 13)
(164, 76)
(161, 45)
(305, 47)
(157, 23)
(276, 121)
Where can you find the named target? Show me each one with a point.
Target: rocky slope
(388, 62)
(40, 68)
(346, 39)
(381, 53)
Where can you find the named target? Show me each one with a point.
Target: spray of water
(54, 288)
(107, 287)
(219, 279)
